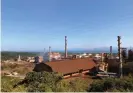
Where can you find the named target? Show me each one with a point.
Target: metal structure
(120, 57)
(124, 50)
(49, 53)
(110, 51)
(65, 46)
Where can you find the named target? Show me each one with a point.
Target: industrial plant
(71, 65)
(77, 64)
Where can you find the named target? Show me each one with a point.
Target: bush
(52, 82)
(113, 85)
(63, 86)
(76, 85)
(41, 81)
(8, 82)
(97, 86)
(79, 85)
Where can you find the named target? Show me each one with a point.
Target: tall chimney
(49, 53)
(65, 46)
(110, 51)
(120, 56)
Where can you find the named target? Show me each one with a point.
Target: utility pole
(49, 53)
(65, 46)
(120, 57)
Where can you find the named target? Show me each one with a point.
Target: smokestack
(110, 51)
(65, 46)
(49, 53)
(120, 56)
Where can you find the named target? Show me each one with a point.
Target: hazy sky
(36, 24)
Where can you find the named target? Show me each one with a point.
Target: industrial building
(67, 67)
(38, 59)
(51, 56)
(72, 65)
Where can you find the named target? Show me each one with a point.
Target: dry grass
(21, 68)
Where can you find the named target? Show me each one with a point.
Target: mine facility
(75, 65)
(79, 65)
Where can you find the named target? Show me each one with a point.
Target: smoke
(43, 52)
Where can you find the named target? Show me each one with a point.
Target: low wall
(76, 74)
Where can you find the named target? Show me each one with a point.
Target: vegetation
(76, 85)
(22, 69)
(7, 84)
(41, 81)
(113, 85)
(14, 55)
(52, 82)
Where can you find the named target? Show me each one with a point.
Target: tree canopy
(14, 55)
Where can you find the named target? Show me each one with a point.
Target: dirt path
(18, 76)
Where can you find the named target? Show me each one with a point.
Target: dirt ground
(21, 68)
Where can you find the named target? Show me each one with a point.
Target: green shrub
(53, 82)
(79, 85)
(97, 86)
(41, 81)
(76, 85)
(7, 84)
(113, 85)
(63, 86)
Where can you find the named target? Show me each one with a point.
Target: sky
(32, 25)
